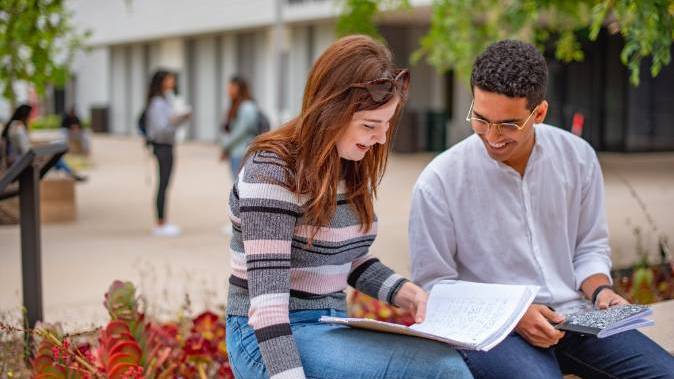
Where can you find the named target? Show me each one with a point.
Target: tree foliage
(37, 44)
(358, 16)
(461, 29)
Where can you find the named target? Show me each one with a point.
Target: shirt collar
(536, 152)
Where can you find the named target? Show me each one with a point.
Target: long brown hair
(157, 85)
(307, 143)
(242, 94)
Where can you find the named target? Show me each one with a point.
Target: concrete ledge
(663, 331)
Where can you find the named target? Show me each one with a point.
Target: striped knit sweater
(275, 271)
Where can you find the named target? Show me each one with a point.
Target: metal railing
(28, 169)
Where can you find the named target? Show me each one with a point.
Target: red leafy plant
(132, 346)
(57, 357)
(646, 283)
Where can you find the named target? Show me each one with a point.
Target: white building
(208, 41)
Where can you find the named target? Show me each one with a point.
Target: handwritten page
(465, 312)
(476, 316)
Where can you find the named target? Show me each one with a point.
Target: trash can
(99, 119)
(436, 131)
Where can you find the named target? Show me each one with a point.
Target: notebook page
(469, 312)
(385, 327)
(637, 315)
(529, 296)
(634, 324)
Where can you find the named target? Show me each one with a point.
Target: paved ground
(111, 238)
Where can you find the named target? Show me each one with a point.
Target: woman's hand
(412, 298)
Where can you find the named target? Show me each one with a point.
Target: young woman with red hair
(303, 219)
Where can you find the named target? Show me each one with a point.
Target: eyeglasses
(481, 126)
(382, 90)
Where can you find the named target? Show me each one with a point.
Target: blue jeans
(61, 165)
(235, 166)
(626, 355)
(332, 351)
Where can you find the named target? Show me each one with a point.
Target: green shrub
(46, 122)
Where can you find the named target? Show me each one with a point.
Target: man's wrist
(598, 290)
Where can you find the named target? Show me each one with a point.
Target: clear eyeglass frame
(481, 126)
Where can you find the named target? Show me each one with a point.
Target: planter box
(57, 200)
(57, 203)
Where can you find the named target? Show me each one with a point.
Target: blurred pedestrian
(17, 140)
(73, 131)
(240, 124)
(162, 121)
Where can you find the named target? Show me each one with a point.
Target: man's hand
(412, 298)
(536, 328)
(607, 298)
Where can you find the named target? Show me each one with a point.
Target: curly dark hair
(512, 68)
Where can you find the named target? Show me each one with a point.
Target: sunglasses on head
(382, 90)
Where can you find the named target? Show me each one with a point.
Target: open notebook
(466, 315)
(607, 322)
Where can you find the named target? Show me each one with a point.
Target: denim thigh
(335, 352)
(513, 358)
(243, 351)
(625, 355)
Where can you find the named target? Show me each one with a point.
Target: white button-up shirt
(476, 219)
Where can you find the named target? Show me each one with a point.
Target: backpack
(142, 125)
(4, 154)
(263, 125)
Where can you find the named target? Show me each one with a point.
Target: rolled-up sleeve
(431, 237)
(592, 255)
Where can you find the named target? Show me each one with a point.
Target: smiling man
(521, 202)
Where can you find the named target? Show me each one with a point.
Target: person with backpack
(158, 124)
(243, 123)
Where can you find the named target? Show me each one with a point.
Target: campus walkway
(111, 238)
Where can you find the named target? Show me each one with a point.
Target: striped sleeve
(268, 213)
(375, 279)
